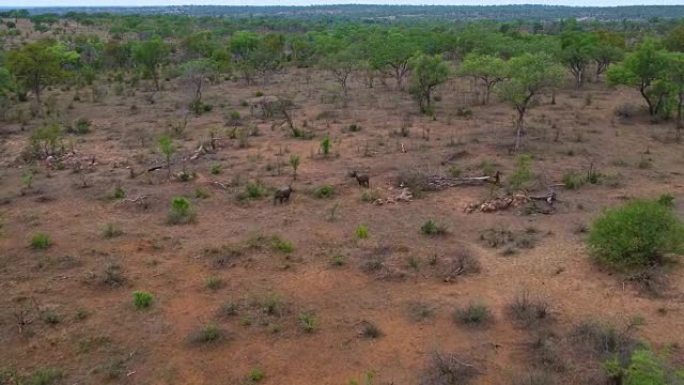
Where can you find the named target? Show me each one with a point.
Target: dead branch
(141, 200)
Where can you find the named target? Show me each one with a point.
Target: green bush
(326, 145)
(307, 321)
(256, 375)
(362, 232)
(253, 190)
(207, 334)
(636, 235)
(474, 314)
(216, 169)
(111, 230)
(573, 180)
(214, 283)
(325, 191)
(432, 228)
(181, 211)
(40, 241)
(282, 245)
(48, 376)
(142, 299)
(643, 367)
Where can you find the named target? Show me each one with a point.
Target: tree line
(517, 63)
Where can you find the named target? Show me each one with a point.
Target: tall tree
(576, 50)
(151, 55)
(341, 65)
(645, 69)
(427, 73)
(528, 75)
(392, 53)
(5, 81)
(490, 70)
(608, 49)
(676, 78)
(39, 64)
(675, 39)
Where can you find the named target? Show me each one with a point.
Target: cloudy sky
(42, 3)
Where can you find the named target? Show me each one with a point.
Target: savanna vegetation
(342, 195)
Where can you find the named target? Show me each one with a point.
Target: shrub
(113, 275)
(643, 367)
(215, 169)
(636, 235)
(419, 311)
(307, 321)
(201, 193)
(214, 283)
(81, 126)
(337, 260)
(362, 232)
(573, 180)
(447, 369)
(326, 145)
(370, 195)
(50, 317)
(181, 211)
(253, 190)
(455, 171)
(370, 330)
(207, 334)
(110, 230)
(228, 309)
(475, 314)
(40, 241)
(528, 310)
(48, 376)
(118, 193)
(282, 245)
(325, 191)
(523, 174)
(432, 228)
(142, 299)
(256, 375)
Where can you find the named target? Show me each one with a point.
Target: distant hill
(357, 11)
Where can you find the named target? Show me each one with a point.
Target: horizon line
(19, 7)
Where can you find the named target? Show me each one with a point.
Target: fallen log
(437, 182)
(508, 201)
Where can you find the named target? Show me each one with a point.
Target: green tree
(675, 39)
(486, 68)
(341, 65)
(242, 43)
(151, 55)
(576, 50)
(167, 148)
(645, 69)
(199, 45)
(5, 82)
(392, 53)
(527, 76)
(428, 72)
(39, 64)
(675, 75)
(608, 49)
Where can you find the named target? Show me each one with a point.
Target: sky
(94, 3)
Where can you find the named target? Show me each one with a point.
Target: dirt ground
(96, 335)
